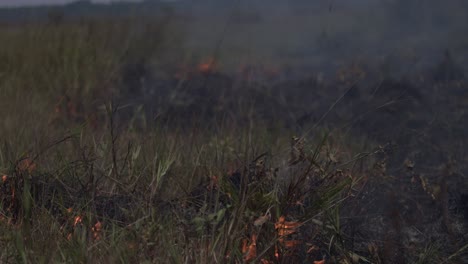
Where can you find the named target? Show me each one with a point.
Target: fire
(207, 66)
(27, 165)
(245, 245)
(285, 228)
(4, 178)
(291, 243)
(96, 229)
(251, 250)
(78, 220)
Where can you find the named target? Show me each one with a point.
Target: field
(150, 139)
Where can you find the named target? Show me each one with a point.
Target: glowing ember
(286, 228)
(277, 255)
(252, 249)
(245, 246)
(96, 229)
(4, 178)
(291, 243)
(78, 220)
(98, 226)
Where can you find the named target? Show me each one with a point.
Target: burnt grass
(419, 123)
(365, 168)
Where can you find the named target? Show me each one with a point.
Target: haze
(13, 3)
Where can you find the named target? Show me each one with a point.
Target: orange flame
(285, 228)
(207, 66)
(291, 243)
(245, 246)
(96, 229)
(252, 249)
(4, 178)
(78, 220)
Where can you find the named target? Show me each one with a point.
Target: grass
(215, 174)
(81, 185)
(169, 196)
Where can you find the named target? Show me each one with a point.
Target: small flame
(285, 228)
(4, 178)
(291, 243)
(207, 66)
(78, 220)
(245, 246)
(252, 249)
(277, 255)
(96, 229)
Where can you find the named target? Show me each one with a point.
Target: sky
(44, 2)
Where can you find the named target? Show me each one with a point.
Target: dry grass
(86, 180)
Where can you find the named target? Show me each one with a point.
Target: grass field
(117, 148)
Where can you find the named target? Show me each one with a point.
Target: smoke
(311, 33)
(18, 3)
